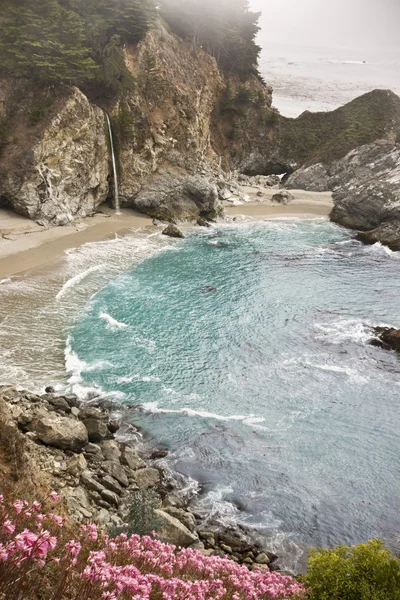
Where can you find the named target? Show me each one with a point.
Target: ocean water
(245, 348)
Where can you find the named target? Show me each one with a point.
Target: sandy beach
(304, 205)
(24, 245)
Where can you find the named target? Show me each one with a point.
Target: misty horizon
(345, 23)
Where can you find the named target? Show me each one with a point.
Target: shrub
(364, 572)
(39, 560)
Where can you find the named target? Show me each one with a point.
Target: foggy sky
(363, 24)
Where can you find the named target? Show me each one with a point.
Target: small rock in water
(210, 288)
(203, 223)
(173, 231)
(50, 390)
(159, 454)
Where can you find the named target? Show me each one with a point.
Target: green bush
(364, 572)
(39, 111)
(142, 518)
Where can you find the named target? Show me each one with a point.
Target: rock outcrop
(387, 338)
(172, 194)
(55, 165)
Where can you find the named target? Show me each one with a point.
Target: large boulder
(172, 531)
(171, 193)
(312, 179)
(55, 166)
(60, 432)
(366, 192)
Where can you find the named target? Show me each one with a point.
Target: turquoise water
(264, 389)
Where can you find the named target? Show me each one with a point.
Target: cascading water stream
(114, 163)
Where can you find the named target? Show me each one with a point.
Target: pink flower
(54, 496)
(8, 527)
(18, 505)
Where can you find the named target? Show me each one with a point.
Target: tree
(226, 29)
(42, 41)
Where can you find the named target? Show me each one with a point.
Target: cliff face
(54, 165)
(179, 129)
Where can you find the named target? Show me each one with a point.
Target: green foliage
(123, 124)
(42, 41)
(39, 111)
(363, 572)
(225, 29)
(325, 137)
(115, 74)
(142, 517)
(72, 41)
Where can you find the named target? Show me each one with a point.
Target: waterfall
(114, 162)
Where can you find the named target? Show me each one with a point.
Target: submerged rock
(173, 231)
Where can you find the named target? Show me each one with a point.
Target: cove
(248, 352)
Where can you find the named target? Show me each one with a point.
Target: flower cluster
(36, 546)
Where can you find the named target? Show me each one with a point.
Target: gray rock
(148, 477)
(263, 559)
(93, 449)
(60, 432)
(76, 465)
(226, 548)
(282, 197)
(111, 450)
(173, 194)
(59, 404)
(97, 430)
(131, 459)
(172, 531)
(185, 517)
(63, 172)
(173, 231)
(110, 497)
(77, 501)
(366, 192)
(314, 179)
(88, 481)
(116, 471)
(111, 484)
(103, 518)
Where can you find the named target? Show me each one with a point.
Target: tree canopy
(75, 41)
(226, 29)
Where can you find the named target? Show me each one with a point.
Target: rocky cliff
(54, 164)
(180, 128)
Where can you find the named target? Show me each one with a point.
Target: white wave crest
(6, 280)
(344, 330)
(112, 323)
(77, 279)
(152, 407)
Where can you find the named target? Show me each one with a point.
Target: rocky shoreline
(88, 454)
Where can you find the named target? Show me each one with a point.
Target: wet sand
(24, 245)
